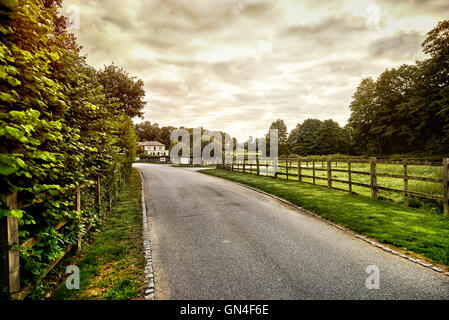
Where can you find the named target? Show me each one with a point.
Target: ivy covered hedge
(62, 124)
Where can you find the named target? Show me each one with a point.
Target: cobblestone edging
(149, 272)
(374, 243)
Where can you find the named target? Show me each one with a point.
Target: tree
(363, 117)
(126, 89)
(329, 138)
(437, 42)
(406, 110)
(304, 138)
(393, 91)
(282, 136)
(147, 131)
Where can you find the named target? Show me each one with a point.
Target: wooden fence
(152, 159)
(11, 246)
(330, 165)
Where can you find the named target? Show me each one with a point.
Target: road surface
(214, 239)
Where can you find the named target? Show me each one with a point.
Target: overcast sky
(236, 66)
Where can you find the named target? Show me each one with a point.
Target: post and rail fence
(11, 246)
(271, 169)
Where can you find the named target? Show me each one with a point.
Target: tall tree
(279, 125)
(406, 110)
(304, 138)
(126, 89)
(329, 138)
(363, 118)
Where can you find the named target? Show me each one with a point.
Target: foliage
(59, 128)
(152, 132)
(148, 131)
(279, 125)
(316, 137)
(128, 90)
(110, 267)
(406, 110)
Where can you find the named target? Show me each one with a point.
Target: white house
(154, 148)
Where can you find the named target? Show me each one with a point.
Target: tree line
(62, 124)
(404, 111)
(154, 132)
(312, 137)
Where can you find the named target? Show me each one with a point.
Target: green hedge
(59, 128)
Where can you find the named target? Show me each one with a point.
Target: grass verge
(111, 266)
(412, 230)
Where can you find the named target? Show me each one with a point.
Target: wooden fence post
(275, 168)
(313, 170)
(257, 163)
(286, 168)
(266, 167)
(406, 183)
(372, 162)
(299, 170)
(349, 176)
(78, 208)
(446, 186)
(329, 173)
(9, 239)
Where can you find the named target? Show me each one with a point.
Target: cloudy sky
(237, 65)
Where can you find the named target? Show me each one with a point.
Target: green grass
(111, 267)
(414, 230)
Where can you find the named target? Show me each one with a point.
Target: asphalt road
(214, 239)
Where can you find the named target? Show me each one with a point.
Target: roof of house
(151, 143)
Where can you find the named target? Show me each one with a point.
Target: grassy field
(412, 230)
(111, 266)
(413, 170)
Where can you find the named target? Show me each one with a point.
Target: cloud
(398, 47)
(237, 65)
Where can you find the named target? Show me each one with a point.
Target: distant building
(154, 148)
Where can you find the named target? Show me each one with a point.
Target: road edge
(372, 242)
(149, 272)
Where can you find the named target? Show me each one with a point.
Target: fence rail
(294, 168)
(11, 246)
(152, 159)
